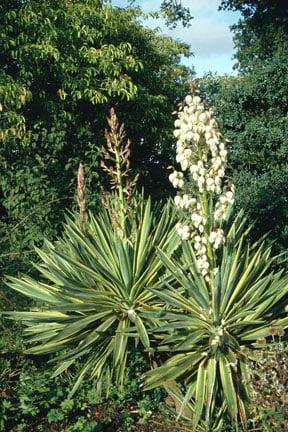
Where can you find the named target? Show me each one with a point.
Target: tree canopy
(253, 109)
(63, 64)
(261, 32)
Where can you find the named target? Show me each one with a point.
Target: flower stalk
(205, 196)
(120, 185)
(117, 164)
(81, 197)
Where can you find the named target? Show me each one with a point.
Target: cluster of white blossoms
(176, 178)
(216, 238)
(202, 154)
(225, 200)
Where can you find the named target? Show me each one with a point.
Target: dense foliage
(228, 292)
(261, 32)
(118, 297)
(32, 400)
(104, 286)
(63, 65)
(252, 109)
(96, 293)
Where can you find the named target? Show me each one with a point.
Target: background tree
(262, 31)
(252, 108)
(62, 66)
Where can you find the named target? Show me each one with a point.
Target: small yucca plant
(229, 292)
(95, 282)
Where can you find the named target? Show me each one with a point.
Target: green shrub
(30, 396)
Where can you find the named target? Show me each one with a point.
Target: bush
(32, 400)
(269, 375)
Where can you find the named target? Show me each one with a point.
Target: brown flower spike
(117, 154)
(81, 193)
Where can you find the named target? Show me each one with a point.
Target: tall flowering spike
(117, 156)
(116, 162)
(81, 185)
(205, 196)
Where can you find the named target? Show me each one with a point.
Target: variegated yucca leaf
(212, 327)
(95, 291)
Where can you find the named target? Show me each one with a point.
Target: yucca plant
(229, 293)
(95, 282)
(213, 332)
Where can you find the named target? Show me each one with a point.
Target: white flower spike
(202, 155)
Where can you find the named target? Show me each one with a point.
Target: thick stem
(210, 252)
(206, 211)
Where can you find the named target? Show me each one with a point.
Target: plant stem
(120, 186)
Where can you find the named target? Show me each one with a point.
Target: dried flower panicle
(202, 155)
(81, 198)
(117, 156)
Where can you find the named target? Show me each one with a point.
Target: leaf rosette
(95, 291)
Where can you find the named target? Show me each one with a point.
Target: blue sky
(209, 35)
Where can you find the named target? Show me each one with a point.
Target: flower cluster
(176, 178)
(225, 200)
(202, 154)
(216, 238)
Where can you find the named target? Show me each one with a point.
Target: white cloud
(209, 35)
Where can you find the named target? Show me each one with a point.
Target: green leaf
(142, 332)
(228, 386)
(211, 378)
(201, 384)
(189, 393)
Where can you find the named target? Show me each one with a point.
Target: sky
(209, 35)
